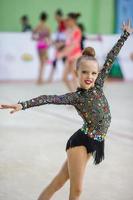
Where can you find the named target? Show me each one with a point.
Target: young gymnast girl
(42, 34)
(92, 106)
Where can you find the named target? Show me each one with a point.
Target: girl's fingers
(14, 108)
(129, 23)
(8, 106)
(4, 107)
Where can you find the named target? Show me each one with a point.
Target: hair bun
(77, 15)
(89, 51)
(74, 15)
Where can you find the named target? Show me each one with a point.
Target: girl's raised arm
(111, 56)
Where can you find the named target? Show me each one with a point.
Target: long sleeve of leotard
(65, 99)
(111, 56)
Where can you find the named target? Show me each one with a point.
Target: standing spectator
(61, 28)
(59, 42)
(25, 24)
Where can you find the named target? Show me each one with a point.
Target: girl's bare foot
(40, 81)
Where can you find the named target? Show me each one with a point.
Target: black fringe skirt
(94, 147)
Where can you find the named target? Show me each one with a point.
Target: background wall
(97, 15)
(124, 11)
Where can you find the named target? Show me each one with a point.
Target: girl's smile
(88, 81)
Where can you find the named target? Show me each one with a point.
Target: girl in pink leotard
(72, 50)
(42, 35)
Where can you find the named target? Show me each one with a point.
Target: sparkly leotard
(91, 105)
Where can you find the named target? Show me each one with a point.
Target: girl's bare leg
(65, 76)
(43, 60)
(58, 181)
(50, 79)
(77, 160)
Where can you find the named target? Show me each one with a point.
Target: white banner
(19, 57)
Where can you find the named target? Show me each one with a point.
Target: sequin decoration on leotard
(91, 104)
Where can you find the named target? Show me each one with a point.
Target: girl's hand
(127, 27)
(14, 107)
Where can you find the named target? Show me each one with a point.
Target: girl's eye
(84, 72)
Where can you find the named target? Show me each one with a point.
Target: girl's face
(70, 22)
(58, 18)
(87, 73)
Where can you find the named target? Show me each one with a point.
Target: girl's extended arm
(72, 98)
(111, 56)
(65, 99)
